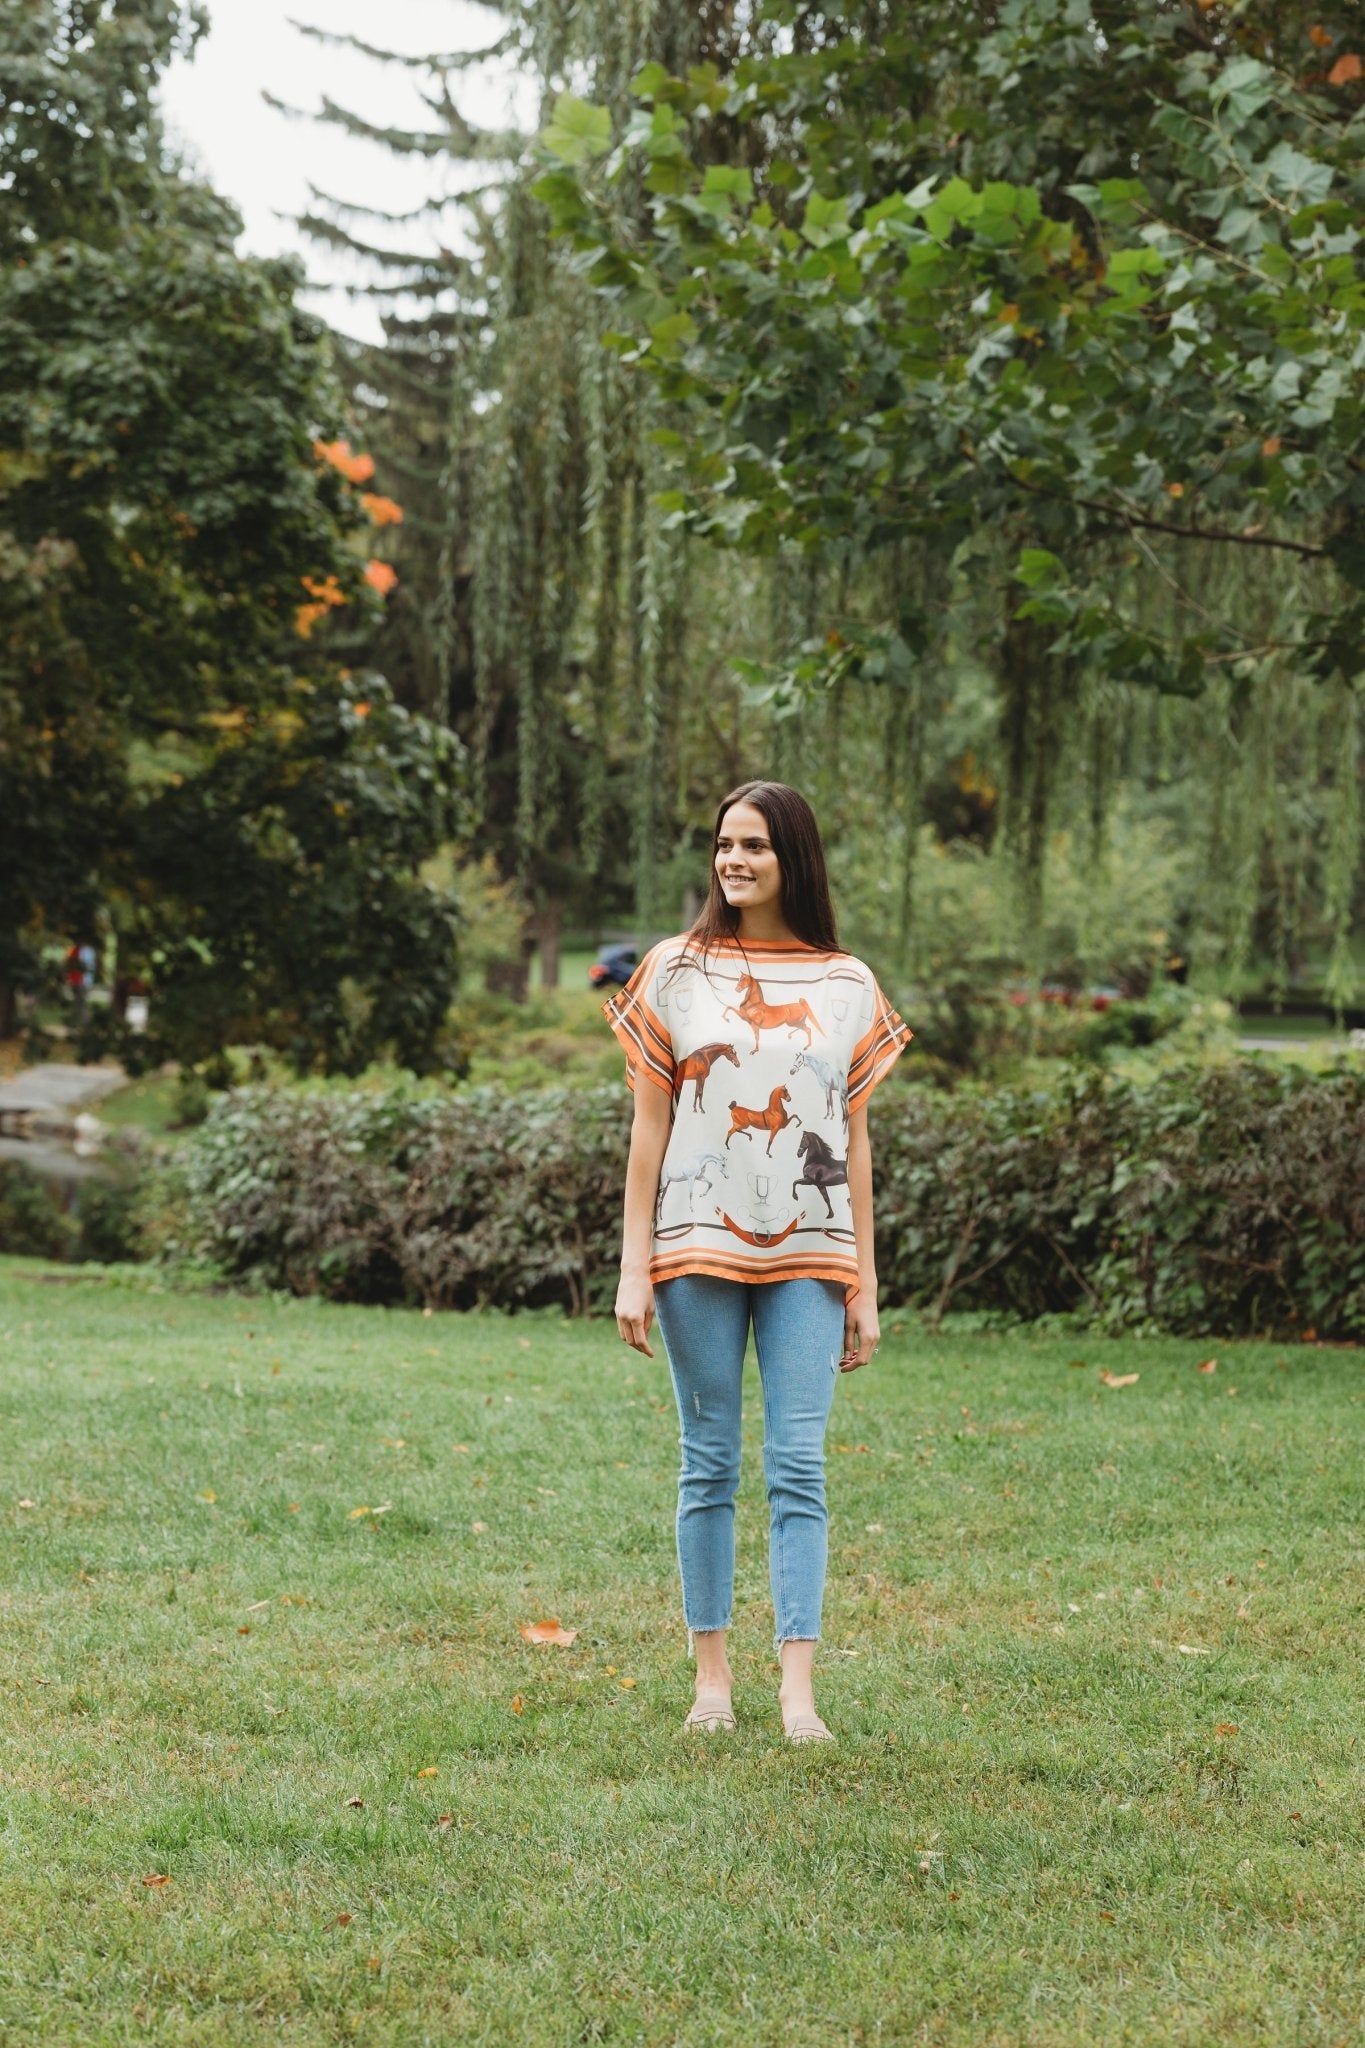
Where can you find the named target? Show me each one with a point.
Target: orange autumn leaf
(548, 1632)
(156, 1877)
(516, 1704)
(325, 589)
(428, 1771)
(1176, 490)
(357, 469)
(1116, 1379)
(1319, 36)
(1271, 446)
(1345, 69)
(1207, 1365)
(383, 511)
(362, 710)
(306, 617)
(381, 576)
(1226, 1728)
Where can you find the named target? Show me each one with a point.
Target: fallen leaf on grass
(479, 1528)
(209, 1495)
(626, 1684)
(463, 1449)
(1207, 1365)
(343, 1919)
(256, 1606)
(428, 1771)
(1106, 1916)
(1192, 1650)
(156, 1877)
(516, 1704)
(548, 1632)
(27, 1503)
(356, 1514)
(355, 1802)
(1226, 1728)
(1078, 1364)
(244, 1628)
(1116, 1379)
(445, 1820)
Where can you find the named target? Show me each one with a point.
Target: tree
(164, 513)
(1070, 293)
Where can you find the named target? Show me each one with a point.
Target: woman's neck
(764, 926)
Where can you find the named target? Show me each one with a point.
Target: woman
(749, 1195)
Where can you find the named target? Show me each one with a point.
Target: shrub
(33, 1222)
(1229, 1199)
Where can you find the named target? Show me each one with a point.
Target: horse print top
(764, 1050)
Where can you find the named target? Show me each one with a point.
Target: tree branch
(1124, 517)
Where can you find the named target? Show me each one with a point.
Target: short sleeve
(639, 1029)
(877, 1051)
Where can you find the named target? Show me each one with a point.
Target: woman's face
(745, 861)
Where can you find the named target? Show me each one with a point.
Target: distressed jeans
(799, 1338)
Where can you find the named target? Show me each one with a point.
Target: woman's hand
(635, 1311)
(862, 1331)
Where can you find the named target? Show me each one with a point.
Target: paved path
(38, 1111)
(57, 1089)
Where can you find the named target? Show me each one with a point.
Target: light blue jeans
(799, 1338)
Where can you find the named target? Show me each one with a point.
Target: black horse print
(823, 1170)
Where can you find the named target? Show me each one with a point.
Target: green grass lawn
(1092, 1652)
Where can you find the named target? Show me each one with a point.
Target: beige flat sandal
(808, 1728)
(710, 1714)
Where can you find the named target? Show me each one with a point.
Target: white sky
(265, 162)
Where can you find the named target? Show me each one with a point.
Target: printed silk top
(764, 1055)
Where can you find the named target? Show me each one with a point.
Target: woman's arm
(649, 1129)
(861, 1326)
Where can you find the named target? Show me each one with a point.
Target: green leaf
(825, 220)
(578, 131)
(729, 180)
(1039, 568)
(650, 81)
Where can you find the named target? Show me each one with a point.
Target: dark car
(613, 966)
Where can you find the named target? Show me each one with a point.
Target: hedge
(1227, 1198)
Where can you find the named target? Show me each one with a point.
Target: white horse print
(696, 1169)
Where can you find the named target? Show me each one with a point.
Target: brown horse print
(744, 1122)
(695, 1066)
(822, 1169)
(761, 1016)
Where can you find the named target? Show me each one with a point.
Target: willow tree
(542, 610)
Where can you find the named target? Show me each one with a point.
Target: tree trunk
(548, 927)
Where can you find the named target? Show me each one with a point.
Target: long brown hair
(795, 835)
